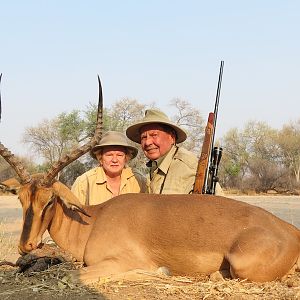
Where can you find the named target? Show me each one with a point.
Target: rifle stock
(204, 157)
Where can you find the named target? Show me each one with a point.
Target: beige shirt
(175, 174)
(91, 187)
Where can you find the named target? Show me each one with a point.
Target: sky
(52, 51)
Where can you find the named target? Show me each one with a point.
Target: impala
(187, 234)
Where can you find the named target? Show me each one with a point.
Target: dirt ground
(52, 283)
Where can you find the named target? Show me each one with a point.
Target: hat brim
(132, 149)
(133, 131)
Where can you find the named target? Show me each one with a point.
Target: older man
(172, 168)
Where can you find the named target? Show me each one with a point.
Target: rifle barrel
(217, 99)
(209, 177)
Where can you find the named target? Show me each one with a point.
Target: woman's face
(112, 159)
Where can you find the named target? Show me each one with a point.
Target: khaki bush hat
(114, 138)
(154, 116)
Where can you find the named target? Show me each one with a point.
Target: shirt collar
(101, 176)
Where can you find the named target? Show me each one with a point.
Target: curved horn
(76, 153)
(15, 164)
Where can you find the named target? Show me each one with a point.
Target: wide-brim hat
(114, 138)
(154, 116)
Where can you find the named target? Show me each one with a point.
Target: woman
(112, 177)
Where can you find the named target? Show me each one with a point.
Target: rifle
(207, 170)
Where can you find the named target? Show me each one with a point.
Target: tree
(254, 156)
(6, 171)
(89, 121)
(190, 119)
(264, 160)
(289, 143)
(53, 138)
(124, 113)
(70, 173)
(234, 163)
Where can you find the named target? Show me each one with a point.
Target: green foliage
(124, 113)
(70, 126)
(90, 118)
(257, 157)
(289, 144)
(53, 138)
(233, 169)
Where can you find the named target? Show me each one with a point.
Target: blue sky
(51, 52)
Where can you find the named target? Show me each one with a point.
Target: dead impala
(188, 234)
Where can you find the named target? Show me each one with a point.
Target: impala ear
(69, 199)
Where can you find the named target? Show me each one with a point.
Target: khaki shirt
(175, 174)
(91, 187)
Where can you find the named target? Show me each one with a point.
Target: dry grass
(53, 281)
(7, 243)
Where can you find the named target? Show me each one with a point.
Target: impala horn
(76, 153)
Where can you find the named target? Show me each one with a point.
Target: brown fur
(188, 234)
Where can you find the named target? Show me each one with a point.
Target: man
(172, 168)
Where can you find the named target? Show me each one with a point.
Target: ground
(52, 283)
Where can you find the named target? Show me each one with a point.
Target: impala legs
(111, 271)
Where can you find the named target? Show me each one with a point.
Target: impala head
(38, 203)
(39, 193)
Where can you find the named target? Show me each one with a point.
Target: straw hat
(114, 138)
(154, 116)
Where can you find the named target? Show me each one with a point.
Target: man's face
(156, 141)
